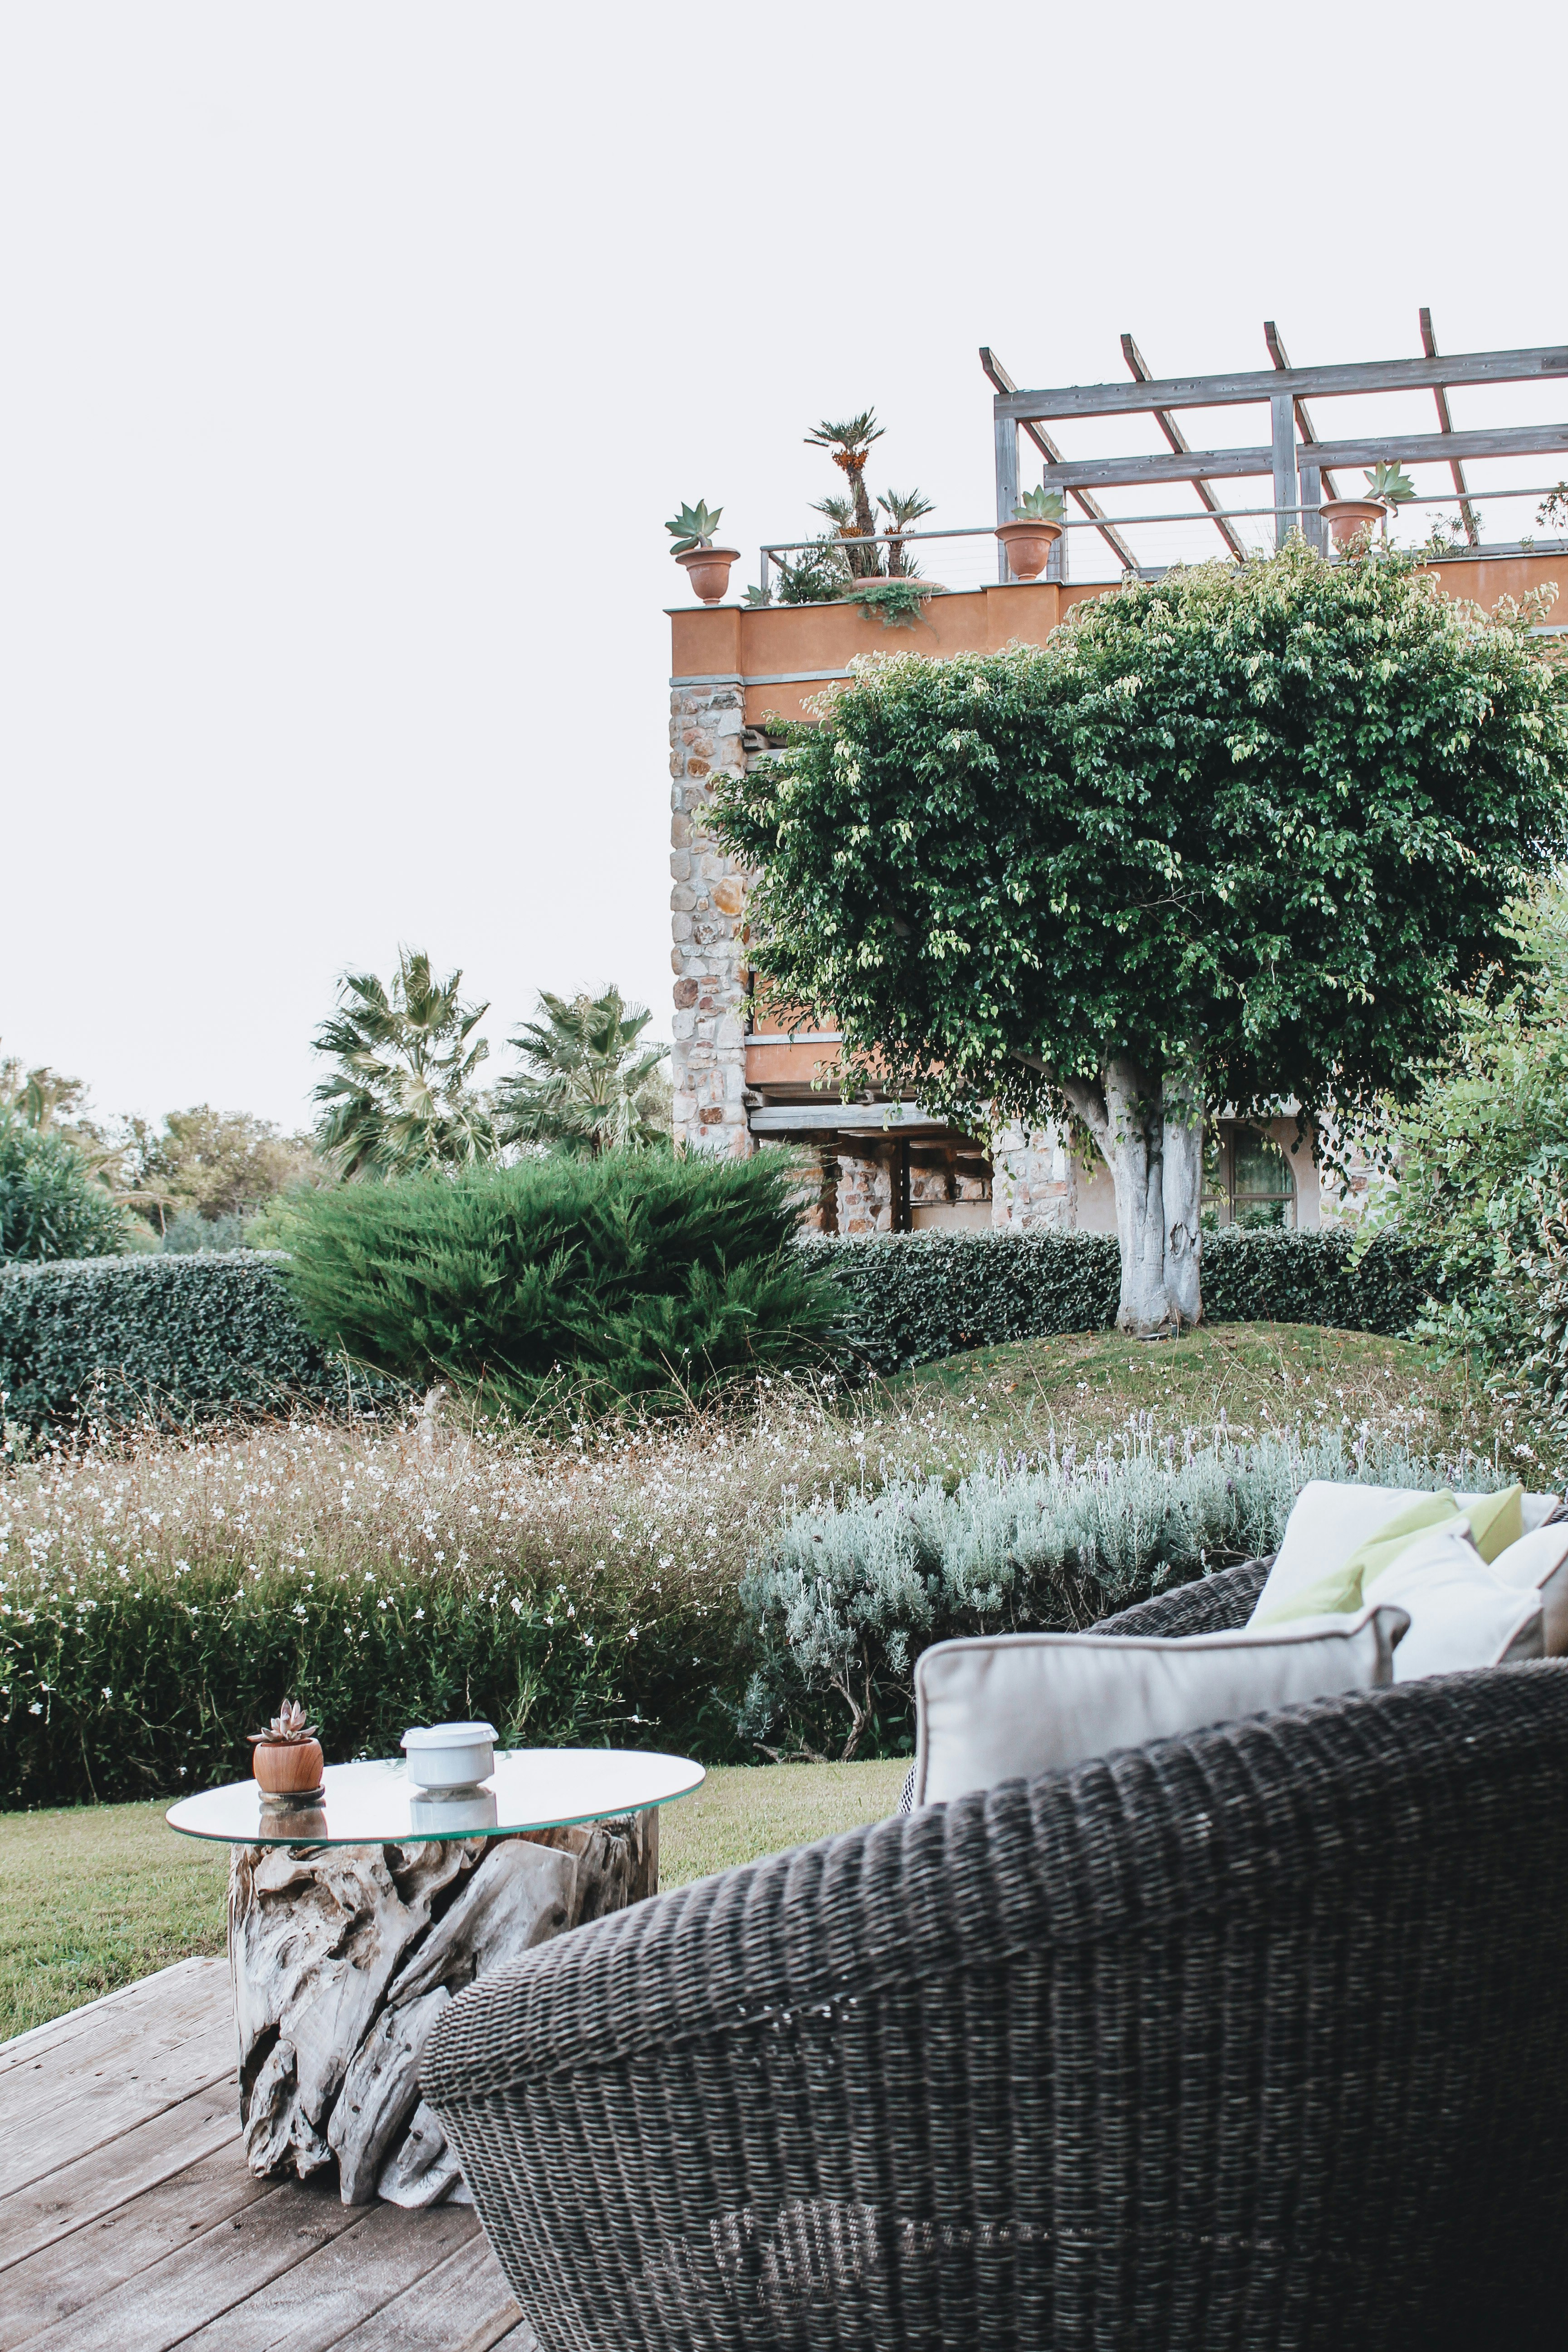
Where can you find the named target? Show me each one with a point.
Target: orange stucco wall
(775, 642)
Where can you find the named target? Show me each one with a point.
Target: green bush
(161, 1337)
(587, 1281)
(51, 1206)
(913, 1298)
(842, 1602)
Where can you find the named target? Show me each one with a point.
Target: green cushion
(1496, 1521)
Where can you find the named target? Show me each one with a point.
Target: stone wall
(708, 897)
(1033, 1181)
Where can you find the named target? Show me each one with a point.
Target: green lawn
(1257, 1375)
(95, 1895)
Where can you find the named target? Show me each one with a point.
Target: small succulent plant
(287, 1729)
(694, 527)
(1038, 506)
(1389, 482)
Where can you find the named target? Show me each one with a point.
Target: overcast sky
(355, 353)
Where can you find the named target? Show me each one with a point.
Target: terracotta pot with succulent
(706, 566)
(1351, 519)
(1036, 527)
(287, 1756)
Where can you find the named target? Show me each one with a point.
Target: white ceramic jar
(450, 1755)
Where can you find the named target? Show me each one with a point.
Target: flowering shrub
(843, 1600)
(158, 1600)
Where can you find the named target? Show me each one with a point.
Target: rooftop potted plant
(706, 566)
(286, 1757)
(1036, 527)
(1387, 485)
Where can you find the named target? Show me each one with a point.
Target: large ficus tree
(1229, 837)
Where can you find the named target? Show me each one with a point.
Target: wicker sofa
(1253, 2038)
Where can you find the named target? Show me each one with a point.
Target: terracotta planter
(708, 569)
(1028, 543)
(285, 1769)
(1352, 519)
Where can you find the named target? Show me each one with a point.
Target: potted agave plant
(287, 1756)
(1036, 527)
(1353, 519)
(706, 566)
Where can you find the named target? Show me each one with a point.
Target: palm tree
(850, 445)
(587, 1086)
(401, 1099)
(903, 509)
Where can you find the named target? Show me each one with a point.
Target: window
(1248, 1180)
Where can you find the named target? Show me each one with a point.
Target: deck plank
(466, 2306)
(213, 2274)
(76, 2271)
(50, 2117)
(76, 2194)
(354, 2280)
(185, 1989)
(130, 2223)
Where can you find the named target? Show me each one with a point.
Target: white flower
(35, 1708)
(516, 1606)
(107, 1693)
(419, 1612)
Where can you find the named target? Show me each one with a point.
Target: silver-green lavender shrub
(842, 1600)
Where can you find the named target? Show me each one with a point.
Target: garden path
(129, 2222)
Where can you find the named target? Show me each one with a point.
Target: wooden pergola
(1298, 459)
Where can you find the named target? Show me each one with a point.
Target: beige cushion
(1022, 1703)
(1330, 1519)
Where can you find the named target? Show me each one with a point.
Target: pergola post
(1311, 481)
(1282, 412)
(1007, 486)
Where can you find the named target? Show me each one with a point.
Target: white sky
(355, 353)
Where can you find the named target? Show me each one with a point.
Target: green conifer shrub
(566, 1283)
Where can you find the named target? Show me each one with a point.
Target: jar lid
(449, 1735)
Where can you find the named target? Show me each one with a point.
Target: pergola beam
(1534, 365)
(1143, 374)
(1083, 500)
(1467, 512)
(1410, 448)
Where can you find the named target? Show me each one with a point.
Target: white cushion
(1461, 1612)
(1021, 1704)
(1329, 1518)
(1538, 1564)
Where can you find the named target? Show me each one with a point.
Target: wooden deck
(129, 2223)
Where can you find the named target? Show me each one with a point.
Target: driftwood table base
(343, 1956)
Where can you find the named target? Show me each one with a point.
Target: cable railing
(969, 563)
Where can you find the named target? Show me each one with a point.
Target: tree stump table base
(344, 1956)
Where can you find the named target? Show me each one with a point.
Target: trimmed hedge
(171, 1339)
(917, 1296)
(185, 1337)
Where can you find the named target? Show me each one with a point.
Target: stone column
(709, 959)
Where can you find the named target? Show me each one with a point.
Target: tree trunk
(1150, 1133)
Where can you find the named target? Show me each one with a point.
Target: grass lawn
(93, 1897)
(1259, 1376)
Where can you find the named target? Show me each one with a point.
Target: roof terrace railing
(776, 553)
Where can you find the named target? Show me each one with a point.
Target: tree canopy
(402, 1097)
(1235, 836)
(587, 1085)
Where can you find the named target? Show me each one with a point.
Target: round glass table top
(376, 1804)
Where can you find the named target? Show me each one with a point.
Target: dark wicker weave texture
(1254, 2038)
